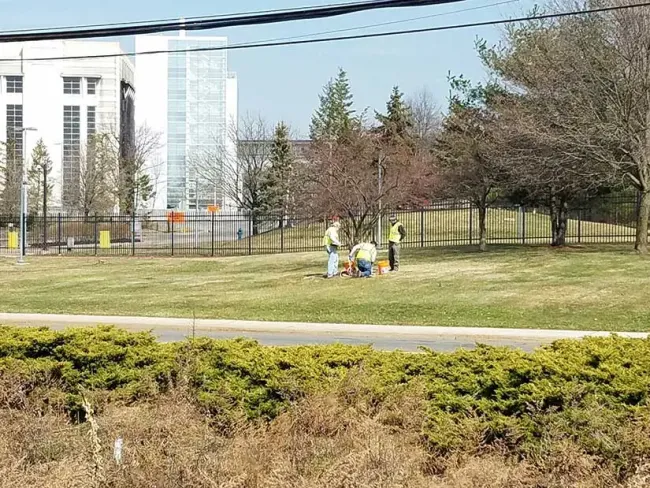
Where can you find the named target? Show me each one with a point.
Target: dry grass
(332, 441)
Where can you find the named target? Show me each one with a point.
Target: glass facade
(14, 129)
(196, 117)
(91, 121)
(71, 153)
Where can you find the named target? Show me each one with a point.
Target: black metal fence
(608, 220)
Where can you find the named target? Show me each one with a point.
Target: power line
(167, 20)
(382, 24)
(346, 38)
(307, 13)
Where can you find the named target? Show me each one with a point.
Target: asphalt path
(384, 337)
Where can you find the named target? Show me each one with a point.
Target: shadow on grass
(471, 252)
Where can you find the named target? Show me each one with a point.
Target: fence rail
(203, 234)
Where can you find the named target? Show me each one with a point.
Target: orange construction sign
(176, 217)
(214, 209)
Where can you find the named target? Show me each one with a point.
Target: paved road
(406, 338)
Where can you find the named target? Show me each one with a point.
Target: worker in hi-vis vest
(396, 236)
(332, 242)
(364, 255)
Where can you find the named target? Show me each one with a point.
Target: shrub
(592, 393)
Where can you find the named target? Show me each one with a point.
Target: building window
(14, 84)
(71, 150)
(91, 121)
(92, 84)
(72, 86)
(14, 128)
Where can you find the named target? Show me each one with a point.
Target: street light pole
(23, 198)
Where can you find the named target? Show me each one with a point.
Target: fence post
(250, 234)
(213, 222)
(95, 232)
(172, 223)
(523, 225)
(133, 233)
(44, 231)
(58, 231)
(282, 235)
(471, 224)
(422, 227)
(580, 226)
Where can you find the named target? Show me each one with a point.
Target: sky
(283, 83)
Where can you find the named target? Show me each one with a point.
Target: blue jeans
(365, 268)
(332, 261)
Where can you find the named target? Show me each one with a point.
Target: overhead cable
(346, 38)
(307, 13)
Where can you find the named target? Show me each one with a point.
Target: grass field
(603, 288)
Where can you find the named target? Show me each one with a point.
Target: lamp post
(23, 197)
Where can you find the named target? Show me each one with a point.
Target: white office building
(66, 101)
(189, 98)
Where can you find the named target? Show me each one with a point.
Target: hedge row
(593, 392)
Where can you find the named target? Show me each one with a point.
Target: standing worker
(396, 236)
(364, 255)
(331, 242)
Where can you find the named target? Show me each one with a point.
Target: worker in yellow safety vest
(332, 242)
(364, 255)
(396, 236)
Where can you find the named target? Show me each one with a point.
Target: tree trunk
(482, 226)
(642, 223)
(256, 225)
(559, 221)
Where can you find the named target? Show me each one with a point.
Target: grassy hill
(445, 228)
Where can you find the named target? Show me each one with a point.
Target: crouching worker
(364, 255)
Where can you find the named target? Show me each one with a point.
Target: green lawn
(604, 288)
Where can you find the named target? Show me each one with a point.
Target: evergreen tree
(397, 124)
(335, 117)
(10, 178)
(40, 188)
(276, 188)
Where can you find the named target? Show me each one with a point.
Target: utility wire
(307, 13)
(382, 24)
(167, 20)
(347, 38)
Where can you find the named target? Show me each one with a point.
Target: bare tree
(342, 179)
(207, 166)
(467, 157)
(236, 168)
(426, 115)
(97, 162)
(245, 179)
(130, 177)
(588, 79)
(540, 170)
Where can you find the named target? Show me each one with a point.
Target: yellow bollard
(105, 239)
(12, 240)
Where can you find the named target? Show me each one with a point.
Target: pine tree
(335, 117)
(397, 124)
(10, 178)
(40, 188)
(276, 188)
